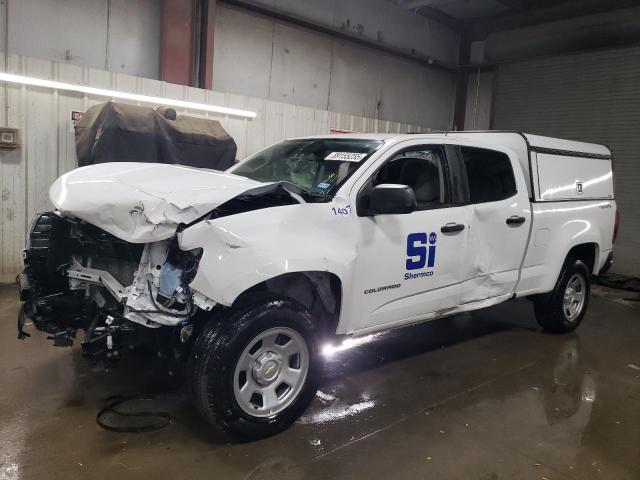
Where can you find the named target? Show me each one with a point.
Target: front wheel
(256, 371)
(562, 310)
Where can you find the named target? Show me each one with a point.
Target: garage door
(593, 97)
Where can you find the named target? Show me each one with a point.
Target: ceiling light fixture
(134, 97)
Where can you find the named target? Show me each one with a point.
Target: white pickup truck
(252, 273)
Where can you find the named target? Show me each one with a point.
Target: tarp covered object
(117, 132)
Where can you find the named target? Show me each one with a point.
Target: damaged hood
(143, 202)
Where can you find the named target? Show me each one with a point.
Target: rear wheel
(562, 310)
(256, 371)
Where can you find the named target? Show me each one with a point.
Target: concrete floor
(483, 396)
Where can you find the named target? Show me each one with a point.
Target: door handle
(452, 227)
(515, 220)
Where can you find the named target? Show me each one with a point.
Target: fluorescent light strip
(101, 92)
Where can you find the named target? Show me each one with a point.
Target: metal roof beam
(481, 27)
(412, 4)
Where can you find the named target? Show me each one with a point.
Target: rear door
(500, 222)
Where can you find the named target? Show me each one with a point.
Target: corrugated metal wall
(43, 117)
(594, 97)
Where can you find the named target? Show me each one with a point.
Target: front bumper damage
(121, 294)
(108, 261)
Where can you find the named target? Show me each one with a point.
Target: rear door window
(489, 174)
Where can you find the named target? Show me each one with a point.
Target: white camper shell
(557, 169)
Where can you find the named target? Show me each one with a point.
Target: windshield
(318, 165)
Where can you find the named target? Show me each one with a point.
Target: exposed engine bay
(79, 277)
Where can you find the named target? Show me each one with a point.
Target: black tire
(217, 350)
(549, 308)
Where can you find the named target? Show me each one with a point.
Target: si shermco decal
(421, 253)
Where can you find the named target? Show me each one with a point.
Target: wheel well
(585, 252)
(320, 292)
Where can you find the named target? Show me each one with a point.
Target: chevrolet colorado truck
(250, 274)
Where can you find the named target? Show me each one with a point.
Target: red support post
(177, 45)
(208, 19)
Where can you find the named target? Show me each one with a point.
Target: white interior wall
(116, 35)
(47, 150)
(255, 55)
(378, 21)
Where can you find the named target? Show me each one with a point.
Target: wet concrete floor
(482, 396)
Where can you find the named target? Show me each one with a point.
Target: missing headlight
(176, 274)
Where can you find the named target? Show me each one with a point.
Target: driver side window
(421, 168)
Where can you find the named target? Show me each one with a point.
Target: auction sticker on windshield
(346, 156)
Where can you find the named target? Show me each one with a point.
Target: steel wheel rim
(271, 372)
(575, 294)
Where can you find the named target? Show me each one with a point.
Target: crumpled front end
(143, 202)
(109, 261)
(122, 294)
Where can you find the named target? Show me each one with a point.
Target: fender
(243, 250)
(578, 232)
(557, 229)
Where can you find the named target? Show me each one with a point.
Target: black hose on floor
(164, 418)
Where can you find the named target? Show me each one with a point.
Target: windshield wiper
(310, 194)
(303, 192)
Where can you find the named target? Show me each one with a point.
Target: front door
(408, 266)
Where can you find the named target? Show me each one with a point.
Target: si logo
(419, 252)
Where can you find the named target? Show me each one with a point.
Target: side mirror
(389, 199)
